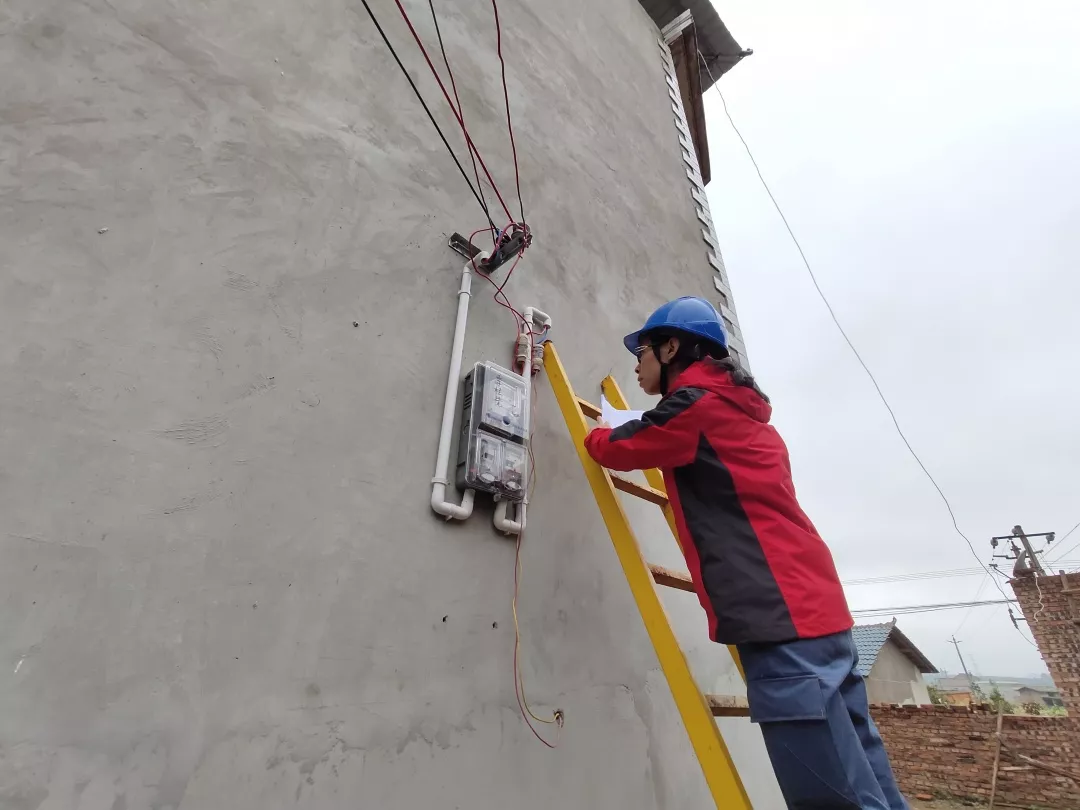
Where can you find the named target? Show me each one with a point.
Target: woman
(763, 575)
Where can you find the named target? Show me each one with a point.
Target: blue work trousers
(815, 718)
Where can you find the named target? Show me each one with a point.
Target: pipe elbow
(535, 316)
(505, 524)
(448, 509)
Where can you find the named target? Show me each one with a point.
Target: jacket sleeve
(666, 436)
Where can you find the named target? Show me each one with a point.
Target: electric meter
(493, 445)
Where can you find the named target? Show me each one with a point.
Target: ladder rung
(672, 579)
(728, 705)
(588, 408)
(642, 491)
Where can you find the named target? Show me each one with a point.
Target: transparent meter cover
(496, 465)
(503, 407)
(513, 469)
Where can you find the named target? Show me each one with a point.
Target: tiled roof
(869, 639)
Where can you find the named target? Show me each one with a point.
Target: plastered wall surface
(221, 582)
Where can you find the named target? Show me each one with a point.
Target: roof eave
(694, 27)
(719, 48)
(912, 652)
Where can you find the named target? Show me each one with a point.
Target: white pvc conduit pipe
(533, 317)
(439, 483)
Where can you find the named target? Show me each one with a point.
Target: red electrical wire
(461, 111)
(453, 109)
(499, 296)
(519, 690)
(506, 98)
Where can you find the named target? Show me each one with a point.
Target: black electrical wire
(844, 334)
(423, 104)
(943, 574)
(461, 115)
(902, 610)
(1058, 560)
(506, 98)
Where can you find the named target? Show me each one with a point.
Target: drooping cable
(500, 296)
(974, 599)
(519, 684)
(423, 104)
(1042, 602)
(844, 334)
(506, 98)
(519, 680)
(1058, 559)
(461, 112)
(450, 102)
(527, 714)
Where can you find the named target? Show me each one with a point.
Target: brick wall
(1051, 606)
(949, 751)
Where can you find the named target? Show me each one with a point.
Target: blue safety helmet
(689, 315)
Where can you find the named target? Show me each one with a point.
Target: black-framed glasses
(640, 350)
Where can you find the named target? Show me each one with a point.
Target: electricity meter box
(493, 445)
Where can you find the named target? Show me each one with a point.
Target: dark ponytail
(739, 375)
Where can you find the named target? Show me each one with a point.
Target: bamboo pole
(997, 757)
(1036, 763)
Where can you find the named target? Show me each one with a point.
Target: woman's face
(648, 366)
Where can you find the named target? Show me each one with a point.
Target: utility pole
(1035, 564)
(1026, 557)
(955, 643)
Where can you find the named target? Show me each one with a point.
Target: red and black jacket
(761, 570)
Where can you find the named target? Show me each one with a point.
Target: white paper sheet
(614, 416)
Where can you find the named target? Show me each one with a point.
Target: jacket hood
(710, 376)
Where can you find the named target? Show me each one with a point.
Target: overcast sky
(927, 155)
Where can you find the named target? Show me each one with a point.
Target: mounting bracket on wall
(459, 244)
(508, 247)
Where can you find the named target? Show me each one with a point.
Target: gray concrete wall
(895, 679)
(221, 582)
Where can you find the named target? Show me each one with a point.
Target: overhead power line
(450, 103)
(978, 592)
(506, 98)
(919, 575)
(901, 610)
(1059, 560)
(461, 115)
(427, 110)
(948, 573)
(847, 339)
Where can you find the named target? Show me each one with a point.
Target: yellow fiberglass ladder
(697, 710)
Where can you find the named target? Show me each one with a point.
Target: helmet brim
(632, 342)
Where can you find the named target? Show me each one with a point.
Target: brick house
(1051, 605)
(1050, 698)
(953, 750)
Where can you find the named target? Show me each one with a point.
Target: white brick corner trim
(721, 296)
